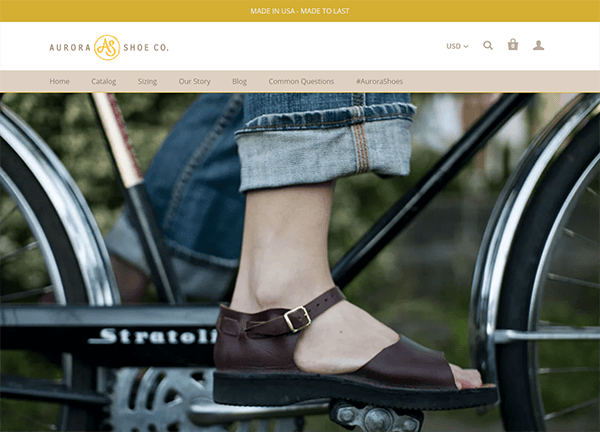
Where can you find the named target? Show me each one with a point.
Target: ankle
(290, 294)
(253, 295)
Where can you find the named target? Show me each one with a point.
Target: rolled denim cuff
(312, 147)
(199, 275)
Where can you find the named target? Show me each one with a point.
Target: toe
(465, 379)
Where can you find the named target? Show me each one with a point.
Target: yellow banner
(309, 11)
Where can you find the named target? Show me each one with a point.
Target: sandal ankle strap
(296, 319)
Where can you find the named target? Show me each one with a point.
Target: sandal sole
(281, 389)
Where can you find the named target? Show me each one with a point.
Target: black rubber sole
(280, 389)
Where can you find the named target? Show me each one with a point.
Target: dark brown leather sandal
(254, 356)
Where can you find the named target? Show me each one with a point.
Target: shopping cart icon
(513, 45)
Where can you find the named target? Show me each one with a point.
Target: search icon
(488, 44)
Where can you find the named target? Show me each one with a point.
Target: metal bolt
(410, 425)
(378, 420)
(346, 414)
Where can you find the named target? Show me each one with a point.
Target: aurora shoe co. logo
(107, 47)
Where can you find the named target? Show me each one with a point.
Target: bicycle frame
(141, 214)
(139, 334)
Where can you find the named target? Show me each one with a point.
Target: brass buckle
(289, 322)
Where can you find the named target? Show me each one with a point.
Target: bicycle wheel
(551, 285)
(37, 258)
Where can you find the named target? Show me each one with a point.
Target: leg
(132, 282)
(279, 260)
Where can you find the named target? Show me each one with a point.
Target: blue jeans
(197, 179)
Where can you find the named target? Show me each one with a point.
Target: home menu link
(60, 81)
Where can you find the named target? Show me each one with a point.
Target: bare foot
(344, 338)
(284, 264)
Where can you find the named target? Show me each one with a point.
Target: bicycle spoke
(571, 409)
(243, 427)
(547, 371)
(263, 426)
(545, 323)
(592, 191)
(8, 214)
(33, 421)
(502, 336)
(13, 255)
(573, 234)
(573, 281)
(28, 293)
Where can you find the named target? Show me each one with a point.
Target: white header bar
(302, 46)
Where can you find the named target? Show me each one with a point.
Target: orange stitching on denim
(360, 131)
(362, 149)
(358, 149)
(366, 149)
(358, 99)
(357, 139)
(360, 139)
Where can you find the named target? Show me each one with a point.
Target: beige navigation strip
(313, 81)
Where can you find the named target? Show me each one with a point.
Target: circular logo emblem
(107, 47)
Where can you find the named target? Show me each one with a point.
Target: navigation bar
(299, 81)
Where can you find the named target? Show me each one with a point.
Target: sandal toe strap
(406, 363)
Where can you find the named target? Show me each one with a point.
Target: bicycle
(510, 287)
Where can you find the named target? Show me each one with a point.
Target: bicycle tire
(77, 373)
(532, 255)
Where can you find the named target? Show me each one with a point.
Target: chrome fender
(502, 225)
(70, 205)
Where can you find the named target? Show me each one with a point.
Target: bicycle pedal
(372, 418)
